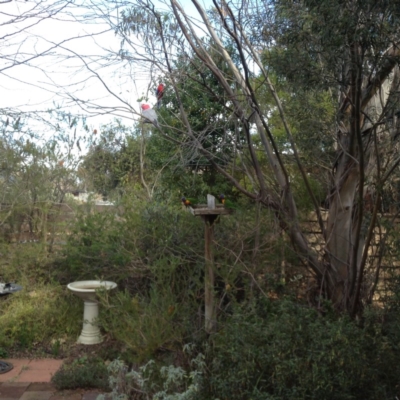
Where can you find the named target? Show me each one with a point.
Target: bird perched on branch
(149, 114)
(186, 201)
(226, 202)
(160, 94)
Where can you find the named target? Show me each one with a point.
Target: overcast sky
(47, 80)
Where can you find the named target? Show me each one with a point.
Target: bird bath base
(86, 290)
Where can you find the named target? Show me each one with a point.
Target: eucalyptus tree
(351, 49)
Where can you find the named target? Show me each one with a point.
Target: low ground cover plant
(84, 372)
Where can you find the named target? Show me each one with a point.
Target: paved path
(31, 370)
(30, 380)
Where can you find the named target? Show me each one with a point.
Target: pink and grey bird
(149, 114)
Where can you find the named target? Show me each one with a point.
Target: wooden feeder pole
(209, 213)
(210, 312)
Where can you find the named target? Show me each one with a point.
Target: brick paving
(30, 380)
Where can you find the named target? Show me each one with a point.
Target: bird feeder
(209, 213)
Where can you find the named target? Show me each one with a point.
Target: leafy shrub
(82, 373)
(38, 315)
(391, 312)
(3, 353)
(129, 249)
(95, 248)
(24, 263)
(283, 350)
(146, 326)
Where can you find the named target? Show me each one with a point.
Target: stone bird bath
(86, 290)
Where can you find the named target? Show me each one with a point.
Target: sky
(43, 82)
(50, 80)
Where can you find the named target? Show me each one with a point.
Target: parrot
(149, 114)
(227, 203)
(188, 201)
(160, 94)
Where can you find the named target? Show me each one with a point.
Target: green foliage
(113, 160)
(301, 195)
(148, 239)
(313, 135)
(284, 350)
(391, 311)
(38, 314)
(55, 348)
(152, 253)
(82, 373)
(23, 262)
(3, 353)
(146, 325)
(95, 248)
(187, 171)
(35, 175)
(156, 244)
(314, 139)
(178, 178)
(312, 38)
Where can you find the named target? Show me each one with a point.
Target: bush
(286, 351)
(31, 317)
(24, 263)
(96, 248)
(131, 250)
(144, 326)
(83, 373)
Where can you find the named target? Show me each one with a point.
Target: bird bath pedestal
(209, 212)
(86, 290)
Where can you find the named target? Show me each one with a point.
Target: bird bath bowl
(86, 290)
(9, 288)
(5, 367)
